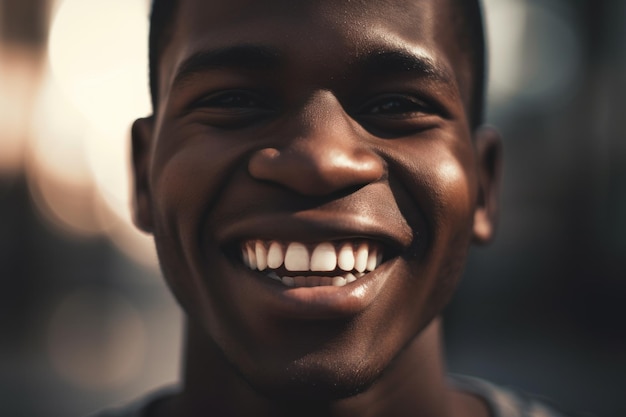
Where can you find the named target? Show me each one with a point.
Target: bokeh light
(103, 70)
(19, 82)
(535, 54)
(96, 85)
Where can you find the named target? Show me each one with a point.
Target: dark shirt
(502, 402)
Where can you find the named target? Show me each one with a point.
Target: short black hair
(468, 21)
(162, 19)
(470, 33)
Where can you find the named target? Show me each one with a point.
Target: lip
(315, 227)
(311, 303)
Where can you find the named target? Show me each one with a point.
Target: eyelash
(398, 114)
(387, 114)
(232, 109)
(228, 99)
(396, 105)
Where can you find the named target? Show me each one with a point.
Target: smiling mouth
(296, 264)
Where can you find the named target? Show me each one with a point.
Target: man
(313, 175)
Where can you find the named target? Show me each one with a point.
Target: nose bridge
(323, 134)
(322, 153)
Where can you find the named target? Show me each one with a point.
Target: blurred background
(86, 321)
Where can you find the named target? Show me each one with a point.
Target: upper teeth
(347, 256)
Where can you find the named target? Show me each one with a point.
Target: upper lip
(311, 228)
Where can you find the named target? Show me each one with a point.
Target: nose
(324, 156)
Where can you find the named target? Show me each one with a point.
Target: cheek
(186, 184)
(452, 192)
(187, 178)
(448, 196)
(440, 182)
(455, 196)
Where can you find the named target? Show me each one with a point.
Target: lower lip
(314, 303)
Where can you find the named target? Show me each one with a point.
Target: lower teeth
(316, 281)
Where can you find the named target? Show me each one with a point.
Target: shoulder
(139, 407)
(504, 402)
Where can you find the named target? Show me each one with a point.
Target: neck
(413, 384)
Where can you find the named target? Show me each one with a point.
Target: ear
(488, 144)
(141, 137)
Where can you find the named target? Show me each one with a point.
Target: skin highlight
(369, 139)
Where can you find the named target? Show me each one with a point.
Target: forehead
(222, 14)
(325, 34)
(232, 12)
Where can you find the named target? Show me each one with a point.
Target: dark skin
(315, 121)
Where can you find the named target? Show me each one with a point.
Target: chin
(307, 371)
(308, 380)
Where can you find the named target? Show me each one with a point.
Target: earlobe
(488, 144)
(141, 137)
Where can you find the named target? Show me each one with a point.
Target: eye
(399, 106)
(232, 108)
(392, 115)
(230, 100)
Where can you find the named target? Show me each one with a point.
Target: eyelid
(231, 108)
(211, 100)
(413, 113)
(421, 105)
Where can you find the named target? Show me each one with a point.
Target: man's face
(334, 136)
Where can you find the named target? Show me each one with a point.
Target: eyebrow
(242, 57)
(385, 62)
(376, 62)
